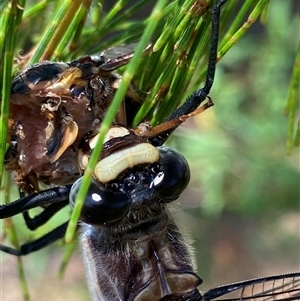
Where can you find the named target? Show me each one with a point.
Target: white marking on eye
(96, 197)
(158, 179)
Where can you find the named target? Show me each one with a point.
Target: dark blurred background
(241, 209)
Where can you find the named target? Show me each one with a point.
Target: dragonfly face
(127, 226)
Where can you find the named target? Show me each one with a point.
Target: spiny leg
(40, 199)
(39, 243)
(54, 199)
(194, 101)
(40, 219)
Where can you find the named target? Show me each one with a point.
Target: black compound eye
(174, 174)
(101, 207)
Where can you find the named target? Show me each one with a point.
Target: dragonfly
(133, 249)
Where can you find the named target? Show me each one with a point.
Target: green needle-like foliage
(62, 30)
